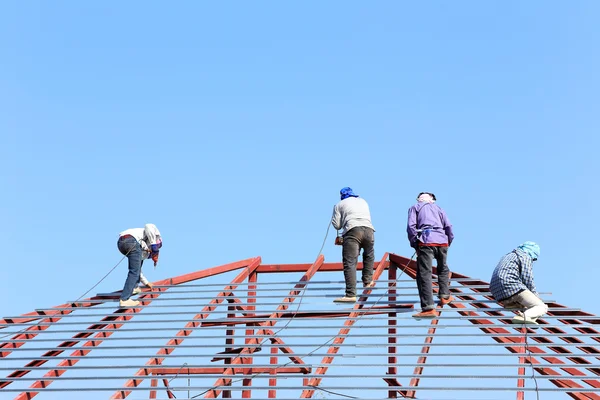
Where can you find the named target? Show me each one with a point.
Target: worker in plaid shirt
(512, 283)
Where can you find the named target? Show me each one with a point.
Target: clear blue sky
(233, 126)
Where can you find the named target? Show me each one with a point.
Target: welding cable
(317, 348)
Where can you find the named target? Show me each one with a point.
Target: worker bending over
(353, 217)
(430, 234)
(138, 244)
(512, 283)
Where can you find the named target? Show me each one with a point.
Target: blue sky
(233, 126)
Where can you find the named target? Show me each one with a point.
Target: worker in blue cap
(512, 284)
(352, 216)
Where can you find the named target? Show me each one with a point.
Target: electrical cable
(537, 389)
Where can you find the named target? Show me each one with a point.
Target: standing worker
(353, 217)
(512, 283)
(430, 234)
(138, 244)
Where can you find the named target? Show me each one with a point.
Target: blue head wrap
(530, 248)
(347, 192)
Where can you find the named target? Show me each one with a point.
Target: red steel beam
(273, 381)
(119, 316)
(252, 279)
(392, 360)
(249, 266)
(342, 334)
(418, 371)
(279, 268)
(214, 391)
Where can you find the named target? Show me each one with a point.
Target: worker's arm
(527, 275)
(336, 218)
(411, 227)
(144, 280)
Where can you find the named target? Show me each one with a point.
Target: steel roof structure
(272, 331)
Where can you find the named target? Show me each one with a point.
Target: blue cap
(531, 248)
(347, 192)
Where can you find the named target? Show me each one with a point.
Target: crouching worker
(512, 284)
(138, 244)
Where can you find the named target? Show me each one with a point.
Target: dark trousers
(425, 256)
(130, 247)
(355, 239)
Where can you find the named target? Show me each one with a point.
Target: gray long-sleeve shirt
(350, 213)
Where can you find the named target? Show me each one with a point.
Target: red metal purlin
(341, 337)
(213, 393)
(252, 279)
(249, 266)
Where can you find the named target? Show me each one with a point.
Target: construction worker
(430, 234)
(138, 244)
(353, 217)
(512, 284)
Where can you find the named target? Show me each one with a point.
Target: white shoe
(137, 290)
(128, 303)
(519, 319)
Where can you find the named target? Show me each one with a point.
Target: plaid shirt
(513, 274)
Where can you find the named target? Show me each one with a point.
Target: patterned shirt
(513, 274)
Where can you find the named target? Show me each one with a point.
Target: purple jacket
(431, 222)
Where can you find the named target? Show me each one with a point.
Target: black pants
(355, 239)
(425, 256)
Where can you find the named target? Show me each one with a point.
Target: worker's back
(350, 213)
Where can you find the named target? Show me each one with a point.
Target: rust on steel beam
(248, 266)
(293, 294)
(110, 322)
(342, 334)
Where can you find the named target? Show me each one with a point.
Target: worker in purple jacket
(430, 234)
